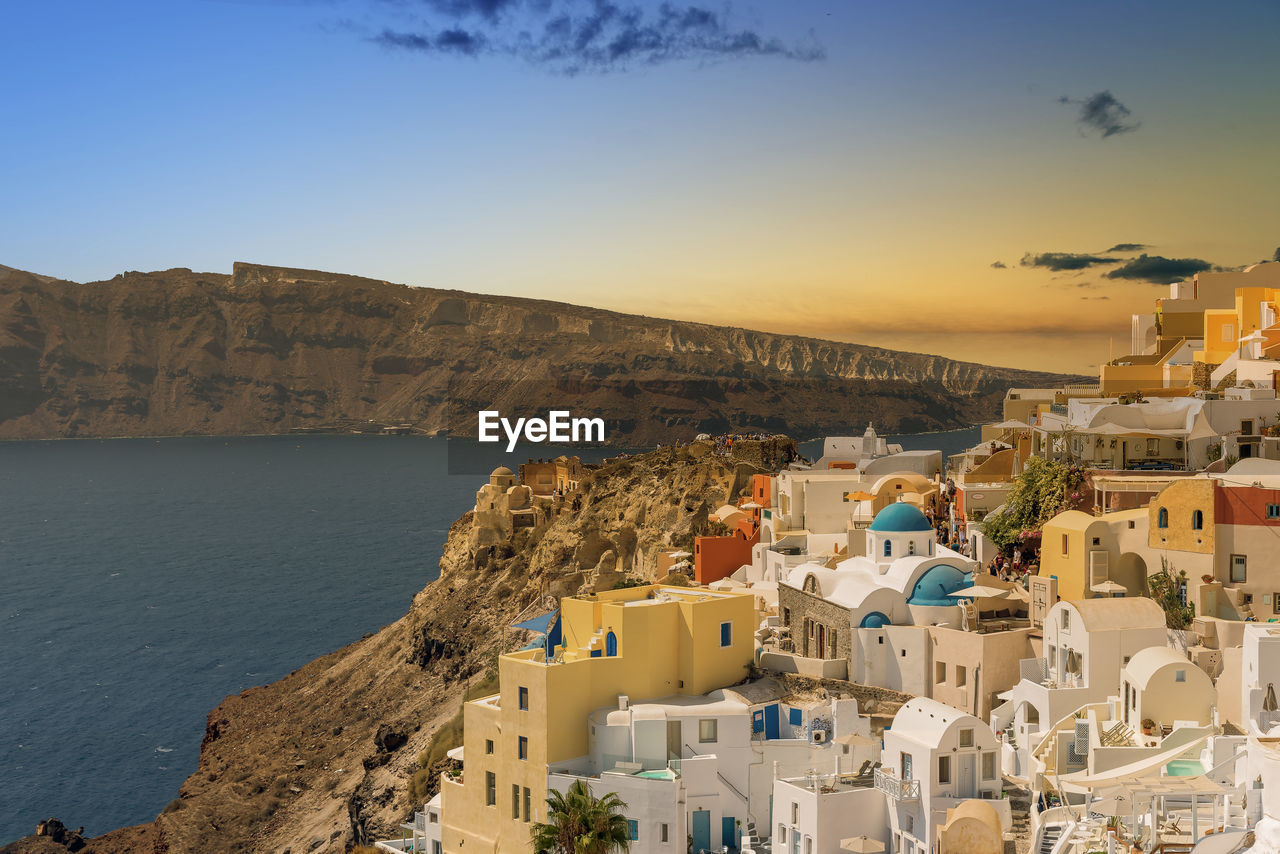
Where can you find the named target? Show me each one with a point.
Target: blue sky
(834, 196)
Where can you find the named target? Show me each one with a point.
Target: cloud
(1000, 265)
(575, 36)
(1128, 247)
(1101, 112)
(1159, 270)
(1059, 261)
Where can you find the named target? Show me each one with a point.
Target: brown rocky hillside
(269, 350)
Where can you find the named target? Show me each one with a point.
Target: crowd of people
(954, 535)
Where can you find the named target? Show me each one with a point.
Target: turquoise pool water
(662, 774)
(1184, 768)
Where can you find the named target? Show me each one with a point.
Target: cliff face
(269, 350)
(315, 762)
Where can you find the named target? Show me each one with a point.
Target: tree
(1043, 490)
(580, 823)
(1167, 588)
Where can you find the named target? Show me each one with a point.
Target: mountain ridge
(274, 349)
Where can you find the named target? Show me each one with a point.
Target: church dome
(900, 517)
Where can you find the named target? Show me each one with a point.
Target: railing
(899, 790)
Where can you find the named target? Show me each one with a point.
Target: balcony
(899, 790)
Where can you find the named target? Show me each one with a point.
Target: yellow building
(1085, 552)
(642, 642)
(1203, 321)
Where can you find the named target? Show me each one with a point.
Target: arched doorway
(610, 644)
(1131, 572)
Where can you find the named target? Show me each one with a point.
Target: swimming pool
(1184, 768)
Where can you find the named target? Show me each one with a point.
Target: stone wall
(807, 606)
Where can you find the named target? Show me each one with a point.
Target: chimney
(623, 702)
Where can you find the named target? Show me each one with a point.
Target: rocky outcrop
(269, 350)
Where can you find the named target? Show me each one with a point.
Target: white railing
(899, 790)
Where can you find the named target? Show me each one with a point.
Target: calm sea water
(141, 581)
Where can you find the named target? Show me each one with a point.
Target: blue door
(757, 720)
(610, 644)
(728, 836)
(771, 721)
(701, 830)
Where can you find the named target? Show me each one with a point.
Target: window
(524, 699)
(808, 845)
(515, 801)
(786, 616)
(944, 769)
(1162, 518)
(526, 803)
(831, 640)
(940, 673)
(726, 634)
(707, 730)
(966, 738)
(989, 766)
(633, 830)
(795, 716)
(904, 653)
(490, 788)
(1066, 619)
(1197, 520)
(888, 549)
(1153, 447)
(435, 847)
(905, 760)
(1065, 549)
(1273, 511)
(488, 746)
(662, 831)
(795, 813)
(523, 747)
(1237, 569)
(880, 639)
(782, 834)
(1246, 427)
(1097, 541)
(1180, 676)
(1228, 332)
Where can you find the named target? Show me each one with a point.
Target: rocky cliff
(269, 350)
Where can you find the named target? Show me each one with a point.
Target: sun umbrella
(859, 496)
(751, 505)
(1109, 586)
(980, 591)
(681, 554)
(862, 845)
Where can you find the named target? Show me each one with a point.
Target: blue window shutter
(795, 717)
(633, 830)
(726, 634)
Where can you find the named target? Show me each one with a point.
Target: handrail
(732, 787)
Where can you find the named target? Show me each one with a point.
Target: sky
(977, 180)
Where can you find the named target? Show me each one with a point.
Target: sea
(144, 580)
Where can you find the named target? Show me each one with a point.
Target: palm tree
(580, 823)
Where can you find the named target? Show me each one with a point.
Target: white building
(1086, 644)
(935, 757)
(813, 813)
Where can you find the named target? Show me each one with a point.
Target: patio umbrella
(751, 505)
(862, 845)
(1118, 802)
(859, 496)
(980, 591)
(681, 554)
(1109, 587)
